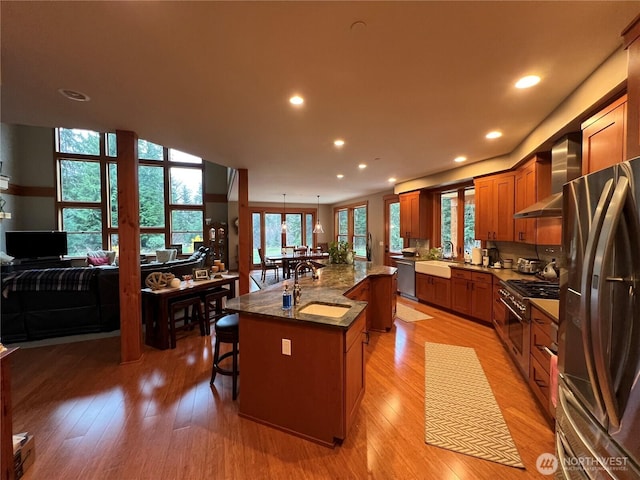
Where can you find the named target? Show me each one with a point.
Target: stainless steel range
(516, 295)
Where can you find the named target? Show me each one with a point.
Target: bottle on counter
(286, 298)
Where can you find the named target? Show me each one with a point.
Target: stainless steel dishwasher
(407, 278)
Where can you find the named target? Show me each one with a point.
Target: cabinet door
(484, 217)
(441, 288)
(481, 300)
(354, 374)
(604, 141)
(423, 287)
(460, 298)
(525, 195)
(504, 208)
(499, 313)
(405, 216)
(415, 215)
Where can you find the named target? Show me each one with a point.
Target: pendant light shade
(283, 227)
(318, 228)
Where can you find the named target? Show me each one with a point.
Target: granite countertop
(333, 282)
(550, 307)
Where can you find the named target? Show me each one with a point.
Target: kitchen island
(304, 373)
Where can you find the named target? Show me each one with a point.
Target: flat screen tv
(36, 244)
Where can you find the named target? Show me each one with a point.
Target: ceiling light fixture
(283, 227)
(296, 100)
(528, 81)
(391, 179)
(74, 95)
(338, 143)
(459, 159)
(362, 166)
(318, 228)
(340, 175)
(494, 134)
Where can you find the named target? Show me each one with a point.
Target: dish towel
(553, 379)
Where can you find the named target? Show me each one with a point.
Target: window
(457, 221)
(351, 227)
(395, 241)
(170, 193)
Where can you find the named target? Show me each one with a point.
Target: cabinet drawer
(360, 292)
(539, 340)
(539, 383)
(481, 277)
(457, 273)
(541, 320)
(355, 331)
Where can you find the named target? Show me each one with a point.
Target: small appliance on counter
(410, 252)
(476, 256)
(529, 265)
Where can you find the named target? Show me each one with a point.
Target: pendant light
(283, 227)
(318, 228)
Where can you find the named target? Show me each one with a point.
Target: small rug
(461, 413)
(407, 314)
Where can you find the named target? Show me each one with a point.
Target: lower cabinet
(433, 290)
(540, 359)
(354, 370)
(499, 314)
(471, 294)
(380, 293)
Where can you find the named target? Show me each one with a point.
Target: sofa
(47, 303)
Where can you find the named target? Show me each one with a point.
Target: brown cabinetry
(433, 290)
(354, 370)
(415, 215)
(380, 294)
(495, 206)
(499, 314)
(604, 140)
(471, 294)
(540, 358)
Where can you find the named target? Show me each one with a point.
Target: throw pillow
(97, 261)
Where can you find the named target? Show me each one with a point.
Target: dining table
(290, 260)
(155, 304)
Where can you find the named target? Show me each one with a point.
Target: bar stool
(213, 303)
(183, 305)
(226, 329)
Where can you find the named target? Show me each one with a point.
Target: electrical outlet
(286, 346)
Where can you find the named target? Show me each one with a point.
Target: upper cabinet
(415, 217)
(532, 184)
(495, 202)
(604, 137)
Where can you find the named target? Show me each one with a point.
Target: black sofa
(35, 310)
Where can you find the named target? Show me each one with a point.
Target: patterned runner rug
(461, 413)
(408, 314)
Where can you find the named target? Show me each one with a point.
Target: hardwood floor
(159, 418)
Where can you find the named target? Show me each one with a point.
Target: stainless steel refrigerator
(598, 408)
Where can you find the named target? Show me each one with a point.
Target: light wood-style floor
(159, 418)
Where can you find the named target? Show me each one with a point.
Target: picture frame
(200, 274)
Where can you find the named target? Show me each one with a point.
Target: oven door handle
(520, 318)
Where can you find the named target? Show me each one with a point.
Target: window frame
(460, 188)
(350, 209)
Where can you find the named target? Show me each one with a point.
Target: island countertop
(333, 282)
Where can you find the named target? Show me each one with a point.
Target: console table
(155, 305)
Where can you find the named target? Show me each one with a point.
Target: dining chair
(267, 265)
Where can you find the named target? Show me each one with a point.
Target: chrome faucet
(297, 291)
(449, 244)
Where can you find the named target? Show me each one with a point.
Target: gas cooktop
(536, 288)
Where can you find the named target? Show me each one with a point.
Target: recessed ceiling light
(340, 175)
(362, 166)
(74, 95)
(528, 81)
(296, 100)
(391, 179)
(494, 134)
(339, 142)
(459, 159)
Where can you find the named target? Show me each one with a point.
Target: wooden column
(632, 43)
(244, 232)
(129, 250)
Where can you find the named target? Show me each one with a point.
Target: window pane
(449, 221)
(395, 240)
(75, 140)
(150, 151)
(112, 182)
(470, 220)
(360, 221)
(182, 157)
(150, 242)
(343, 224)
(84, 229)
(272, 234)
(308, 229)
(151, 200)
(186, 186)
(114, 243)
(360, 246)
(257, 230)
(294, 229)
(186, 227)
(112, 145)
(80, 181)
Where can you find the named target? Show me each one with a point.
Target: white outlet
(286, 346)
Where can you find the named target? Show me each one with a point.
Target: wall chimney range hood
(566, 165)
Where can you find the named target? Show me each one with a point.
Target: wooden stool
(213, 303)
(184, 305)
(226, 329)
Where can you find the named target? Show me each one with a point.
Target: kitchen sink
(438, 268)
(331, 310)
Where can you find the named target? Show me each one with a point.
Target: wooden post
(129, 248)
(244, 232)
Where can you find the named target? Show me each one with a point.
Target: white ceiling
(413, 86)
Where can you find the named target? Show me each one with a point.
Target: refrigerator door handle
(621, 203)
(585, 299)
